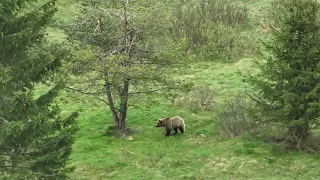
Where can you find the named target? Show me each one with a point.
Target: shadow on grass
(111, 131)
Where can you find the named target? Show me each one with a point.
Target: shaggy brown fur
(172, 123)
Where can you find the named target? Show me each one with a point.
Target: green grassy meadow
(200, 153)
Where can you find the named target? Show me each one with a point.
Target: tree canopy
(123, 53)
(288, 86)
(35, 140)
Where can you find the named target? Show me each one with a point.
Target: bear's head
(160, 122)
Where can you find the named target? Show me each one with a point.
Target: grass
(68, 9)
(226, 78)
(199, 153)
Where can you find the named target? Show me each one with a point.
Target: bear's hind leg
(181, 129)
(168, 132)
(176, 130)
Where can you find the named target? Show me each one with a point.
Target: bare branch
(93, 94)
(99, 25)
(82, 92)
(4, 120)
(146, 92)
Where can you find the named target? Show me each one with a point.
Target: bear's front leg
(168, 132)
(181, 129)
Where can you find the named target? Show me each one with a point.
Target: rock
(130, 138)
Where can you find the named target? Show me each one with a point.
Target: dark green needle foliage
(35, 140)
(289, 83)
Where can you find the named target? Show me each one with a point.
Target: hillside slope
(200, 153)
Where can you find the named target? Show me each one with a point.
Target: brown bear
(175, 123)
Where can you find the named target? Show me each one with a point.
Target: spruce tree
(35, 140)
(288, 86)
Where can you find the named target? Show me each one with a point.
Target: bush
(229, 13)
(310, 144)
(240, 116)
(200, 98)
(227, 43)
(234, 117)
(212, 28)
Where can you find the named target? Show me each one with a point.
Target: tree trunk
(124, 105)
(125, 92)
(111, 105)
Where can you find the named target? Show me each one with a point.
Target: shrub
(227, 43)
(200, 98)
(230, 14)
(234, 117)
(212, 28)
(310, 144)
